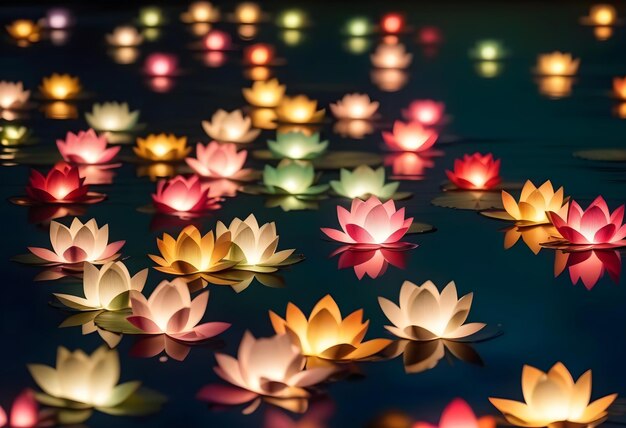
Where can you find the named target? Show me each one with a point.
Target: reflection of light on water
(60, 110)
(247, 31)
(389, 80)
(125, 55)
(603, 33)
(555, 86)
(488, 69)
(292, 37)
(258, 73)
(357, 45)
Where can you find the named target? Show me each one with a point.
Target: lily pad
(497, 214)
(420, 228)
(398, 196)
(604, 155)
(469, 200)
(144, 401)
(116, 322)
(505, 185)
(331, 160)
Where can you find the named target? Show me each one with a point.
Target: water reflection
(408, 165)
(555, 87)
(373, 263)
(459, 414)
(317, 416)
(532, 236)
(353, 128)
(589, 266)
(419, 357)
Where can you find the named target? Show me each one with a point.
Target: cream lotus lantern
(554, 400)
(326, 334)
(124, 36)
(426, 314)
(231, 127)
(392, 56)
(354, 106)
(247, 13)
(13, 95)
(112, 116)
(200, 12)
(265, 93)
(106, 288)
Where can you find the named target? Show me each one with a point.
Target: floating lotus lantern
(326, 334)
(95, 388)
(412, 136)
(362, 182)
(292, 19)
(392, 23)
(59, 19)
(533, 205)
(602, 15)
(292, 177)
(619, 87)
(200, 12)
(425, 314)
(162, 147)
(595, 227)
(358, 27)
(296, 145)
(180, 195)
(219, 160)
(171, 311)
(192, 253)
(255, 247)
(266, 369)
(371, 223)
(124, 36)
(354, 106)
(488, 50)
(106, 288)
(112, 116)
(553, 399)
(248, 13)
(264, 94)
(151, 16)
(259, 54)
(62, 185)
(24, 30)
(161, 65)
(13, 95)
(459, 413)
(299, 109)
(79, 243)
(426, 112)
(216, 40)
(475, 172)
(589, 266)
(86, 147)
(231, 127)
(60, 87)
(557, 64)
(391, 56)
(24, 413)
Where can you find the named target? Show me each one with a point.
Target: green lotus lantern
(364, 181)
(297, 145)
(292, 177)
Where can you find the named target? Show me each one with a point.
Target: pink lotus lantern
(219, 160)
(475, 172)
(217, 40)
(596, 227)
(86, 148)
(61, 185)
(589, 266)
(410, 137)
(371, 224)
(182, 195)
(426, 112)
(24, 413)
(392, 23)
(171, 311)
(161, 65)
(458, 414)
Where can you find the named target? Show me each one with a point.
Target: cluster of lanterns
(307, 351)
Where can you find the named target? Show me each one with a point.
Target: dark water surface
(544, 319)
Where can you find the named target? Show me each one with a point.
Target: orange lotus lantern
(412, 136)
(596, 227)
(475, 172)
(602, 15)
(264, 93)
(247, 13)
(162, 147)
(619, 87)
(60, 86)
(299, 109)
(24, 30)
(259, 54)
(458, 414)
(392, 23)
(557, 64)
(426, 112)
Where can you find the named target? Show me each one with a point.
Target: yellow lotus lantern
(24, 30)
(192, 253)
(554, 400)
(162, 147)
(264, 93)
(602, 15)
(299, 109)
(326, 334)
(200, 12)
(557, 64)
(60, 87)
(81, 381)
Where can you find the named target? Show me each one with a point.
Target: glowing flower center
(558, 66)
(161, 67)
(259, 56)
(160, 148)
(357, 110)
(60, 192)
(426, 115)
(125, 37)
(604, 16)
(411, 141)
(23, 28)
(489, 52)
(60, 90)
(232, 132)
(201, 13)
(291, 185)
(295, 152)
(478, 179)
